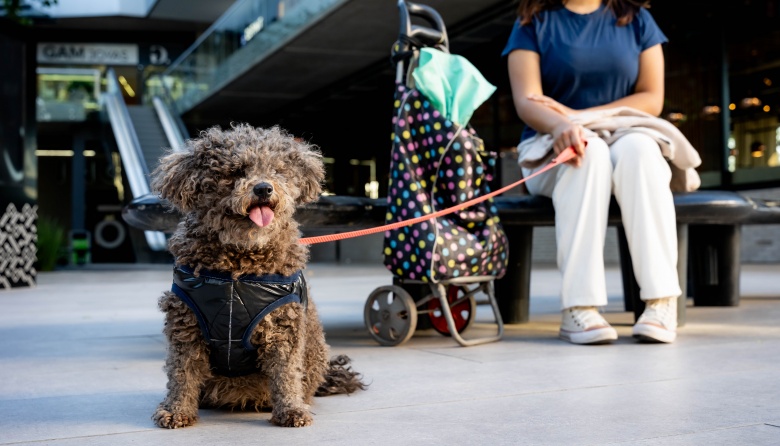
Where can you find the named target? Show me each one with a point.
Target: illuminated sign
(88, 53)
(252, 29)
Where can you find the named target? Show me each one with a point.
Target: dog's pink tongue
(261, 215)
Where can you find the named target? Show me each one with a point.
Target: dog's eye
(238, 171)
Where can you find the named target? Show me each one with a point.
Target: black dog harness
(228, 311)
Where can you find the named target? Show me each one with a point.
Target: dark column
(80, 240)
(714, 252)
(631, 299)
(18, 166)
(682, 271)
(513, 291)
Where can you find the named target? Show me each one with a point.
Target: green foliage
(13, 9)
(51, 238)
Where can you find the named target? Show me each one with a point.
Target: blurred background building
(93, 92)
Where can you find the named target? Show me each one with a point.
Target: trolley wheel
(390, 315)
(418, 291)
(462, 313)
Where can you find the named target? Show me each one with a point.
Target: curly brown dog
(241, 329)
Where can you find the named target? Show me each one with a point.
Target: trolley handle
(435, 36)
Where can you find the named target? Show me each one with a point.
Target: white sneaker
(658, 322)
(584, 325)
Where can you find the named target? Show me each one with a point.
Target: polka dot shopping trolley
(444, 267)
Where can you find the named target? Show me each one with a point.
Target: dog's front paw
(292, 418)
(169, 420)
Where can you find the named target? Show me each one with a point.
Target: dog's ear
(175, 179)
(312, 173)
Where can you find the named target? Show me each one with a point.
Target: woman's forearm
(538, 116)
(647, 102)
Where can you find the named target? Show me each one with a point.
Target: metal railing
(172, 131)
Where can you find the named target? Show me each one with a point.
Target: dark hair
(625, 10)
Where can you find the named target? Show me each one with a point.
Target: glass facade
(723, 78)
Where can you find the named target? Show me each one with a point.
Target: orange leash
(562, 157)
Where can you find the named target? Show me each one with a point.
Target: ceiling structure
(197, 11)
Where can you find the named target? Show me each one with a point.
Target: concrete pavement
(82, 352)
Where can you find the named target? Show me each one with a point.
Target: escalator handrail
(172, 132)
(171, 112)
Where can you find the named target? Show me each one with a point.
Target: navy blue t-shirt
(586, 59)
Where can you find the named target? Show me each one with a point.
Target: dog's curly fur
(211, 183)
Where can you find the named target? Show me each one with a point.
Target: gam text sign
(88, 53)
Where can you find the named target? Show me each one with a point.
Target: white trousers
(634, 171)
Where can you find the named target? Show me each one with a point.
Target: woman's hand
(551, 104)
(566, 135)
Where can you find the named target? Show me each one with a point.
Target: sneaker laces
(587, 317)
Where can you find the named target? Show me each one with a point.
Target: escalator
(142, 134)
(151, 136)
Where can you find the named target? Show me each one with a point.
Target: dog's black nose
(263, 190)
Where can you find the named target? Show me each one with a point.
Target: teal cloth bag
(454, 85)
